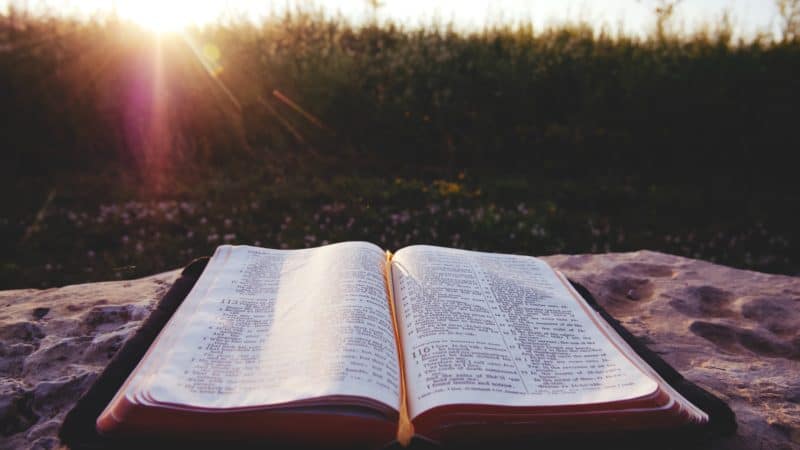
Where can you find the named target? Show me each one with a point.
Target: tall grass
(303, 130)
(565, 99)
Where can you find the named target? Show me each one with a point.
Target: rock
(16, 408)
(52, 397)
(733, 332)
(20, 332)
(39, 313)
(54, 343)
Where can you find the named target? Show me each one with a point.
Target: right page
(496, 329)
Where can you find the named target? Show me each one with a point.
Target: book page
(281, 326)
(485, 328)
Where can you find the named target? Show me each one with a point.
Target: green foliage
(84, 235)
(505, 97)
(575, 141)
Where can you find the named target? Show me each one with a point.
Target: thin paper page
(280, 326)
(173, 328)
(484, 328)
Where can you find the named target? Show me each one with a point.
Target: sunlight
(168, 16)
(631, 16)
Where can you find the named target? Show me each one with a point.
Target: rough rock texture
(54, 343)
(734, 332)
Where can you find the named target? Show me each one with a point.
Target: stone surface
(54, 343)
(734, 332)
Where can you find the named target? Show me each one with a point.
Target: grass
(79, 239)
(118, 163)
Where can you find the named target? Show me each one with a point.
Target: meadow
(125, 153)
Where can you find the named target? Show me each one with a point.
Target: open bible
(348, 344)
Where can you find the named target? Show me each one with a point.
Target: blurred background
(138, 135)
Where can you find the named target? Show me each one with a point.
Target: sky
(631, 16)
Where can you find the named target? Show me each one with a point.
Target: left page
(278, 326)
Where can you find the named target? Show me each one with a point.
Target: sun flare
(167, 16)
